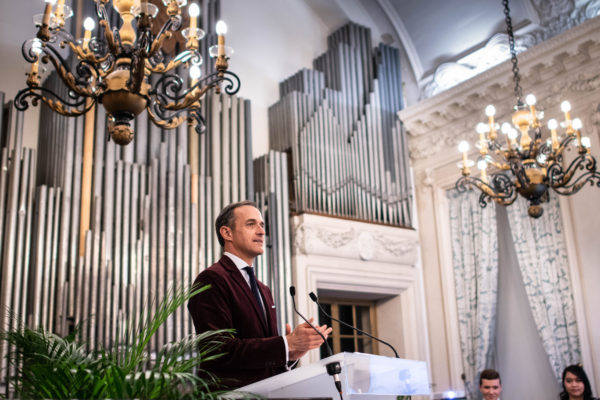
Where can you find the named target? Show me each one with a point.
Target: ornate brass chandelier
(125, 69)
(527, 165)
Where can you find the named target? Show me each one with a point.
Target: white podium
(363, 377)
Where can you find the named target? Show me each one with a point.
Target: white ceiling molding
(564, 66)
(447, 75)
(557, 16)
(405, 39)
(531, 11)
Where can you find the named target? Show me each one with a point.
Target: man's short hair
(489, 374)
(226, 217)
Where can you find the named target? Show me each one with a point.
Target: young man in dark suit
(239, 301)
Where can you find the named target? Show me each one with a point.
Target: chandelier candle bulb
(565, 107)
(577, 125)
(482, 165)
(88, 26)
(59, 11)
(195, 73)
(512, 138)
(463, 147)
(586, 142)
(194, 11)
(48, 12)
(221, 29)
(33, 77)
(482, 129)
(531, 100)
(552, 125)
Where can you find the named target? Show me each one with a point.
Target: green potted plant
(46, 365)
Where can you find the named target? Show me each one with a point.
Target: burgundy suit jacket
(257, 351)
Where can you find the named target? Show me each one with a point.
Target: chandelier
(522, 162)
(126, 69)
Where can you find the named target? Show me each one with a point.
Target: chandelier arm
(104, 22)
(111, 39)
(167, 122)
(500, 165)
(231, 80)
(563, 145)
(60, 32)
(167, 88)
(559, 177)
(519, 172)
(79, 84)
(88, 56)
(137, 73)
(493, 145)
(188, 100)
(172, 24)
(56, 103)
(195, 118)
(503, 190)
(180, 59)
(161, 68)
(592, 177)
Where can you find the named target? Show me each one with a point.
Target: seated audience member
(576, 385)
(489, 384)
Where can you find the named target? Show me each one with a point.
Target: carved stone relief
(356, 243)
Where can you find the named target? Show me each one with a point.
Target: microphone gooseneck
(293, 294)
(313, 297)
(333, 368)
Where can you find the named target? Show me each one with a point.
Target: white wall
(272, 40)
(12, 64)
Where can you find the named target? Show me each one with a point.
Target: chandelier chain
(513, 53)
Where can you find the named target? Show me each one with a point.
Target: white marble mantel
(364, 260)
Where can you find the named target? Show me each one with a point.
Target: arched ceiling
(446, 42)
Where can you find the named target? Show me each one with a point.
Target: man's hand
(304, 338)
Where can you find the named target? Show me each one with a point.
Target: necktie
(254, 286)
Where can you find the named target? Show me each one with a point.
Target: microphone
(313, 297)
(293, 294)
(333, 368)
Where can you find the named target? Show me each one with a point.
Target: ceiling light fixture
(524, 163)
(126, 69)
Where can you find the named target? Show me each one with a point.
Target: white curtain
(541, 251)
(475, 260)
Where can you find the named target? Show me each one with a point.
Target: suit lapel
(244, 288)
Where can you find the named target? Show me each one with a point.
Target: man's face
(246, 237)
(490, 388)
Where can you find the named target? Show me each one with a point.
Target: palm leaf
(50, 366)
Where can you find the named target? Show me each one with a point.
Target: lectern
(363, 377)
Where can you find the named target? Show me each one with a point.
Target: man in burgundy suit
(237, 300)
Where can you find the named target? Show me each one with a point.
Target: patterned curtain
(475, 260)
(542, 255)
